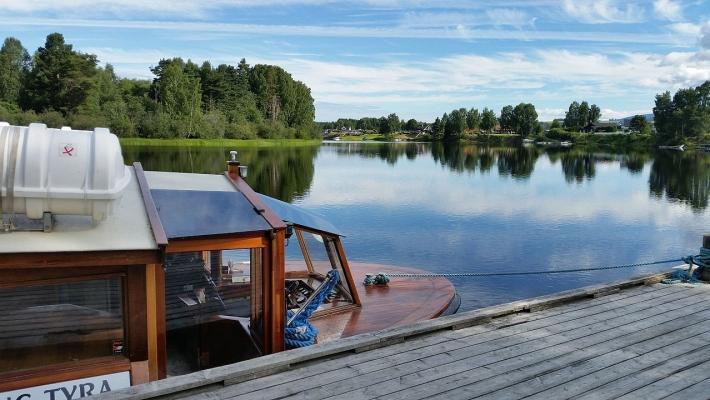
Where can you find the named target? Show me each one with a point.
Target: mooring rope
(514, 273)
(299, 331)
(702, 260)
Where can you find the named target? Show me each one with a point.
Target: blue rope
(300, 332)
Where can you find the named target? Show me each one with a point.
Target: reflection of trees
(681, 176)
(206, 160)
(578, 167)
(517, 162)
(282, 172)
(634, 162)
(389, 152)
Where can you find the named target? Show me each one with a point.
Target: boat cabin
(112, 276)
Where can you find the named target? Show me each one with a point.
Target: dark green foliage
(437, 129)
(685, 116)
(455, 124)
(60, 78)
(488, 120)
(473, 119)
(14, 66)
(525, 119)
(638, 123)
(65, 87)
(580, 115)
(389, 125)
(507, 119)
(411, 125)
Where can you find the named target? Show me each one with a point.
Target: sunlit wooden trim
(231, 243)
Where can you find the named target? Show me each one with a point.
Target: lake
(462, 208)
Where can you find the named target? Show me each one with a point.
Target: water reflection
(681, 176)
(287, 172)
(282, 172)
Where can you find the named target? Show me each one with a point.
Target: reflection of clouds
(425, 185)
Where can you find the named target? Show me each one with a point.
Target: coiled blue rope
(300, 332)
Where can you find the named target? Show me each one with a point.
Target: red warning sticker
(67, 150)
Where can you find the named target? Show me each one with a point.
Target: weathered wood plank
(389, 377)
(372, 361)
(501, 363)
(653, 366)
(670, 384)
(698, 391)
(592, 373)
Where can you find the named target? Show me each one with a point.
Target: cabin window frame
(336, 255)
(132, 277)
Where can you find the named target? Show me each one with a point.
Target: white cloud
(686, 28)
(603, 11)
(465, 19)
(668, 9)
(346, 31)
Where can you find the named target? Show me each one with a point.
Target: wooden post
(706, 271)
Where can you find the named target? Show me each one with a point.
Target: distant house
(608, 126)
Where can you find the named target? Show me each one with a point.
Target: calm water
(466, 208)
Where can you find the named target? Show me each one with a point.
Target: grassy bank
(622, 141)
(372, 137)
(217, 142)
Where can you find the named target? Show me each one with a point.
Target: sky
(418, 59)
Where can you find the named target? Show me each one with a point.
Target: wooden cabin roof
(126, 229)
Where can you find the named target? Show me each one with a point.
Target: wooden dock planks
(626, 340)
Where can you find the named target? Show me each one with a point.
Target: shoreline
(152, 142)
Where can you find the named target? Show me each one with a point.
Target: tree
(555, 124)
(14, 66)
(178, 93)
(488, 120)
(473, 119)
(524, 119)
(594, 114)
(638, 123)
(572, 117)
(60, 78)
(411, 125)
(437, 129)
(507, 119)
(455, 125)
(389, 125)
(582, 115)
(686, 115)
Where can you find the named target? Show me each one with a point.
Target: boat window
(213, 308)
(308, 261)
(48, 324)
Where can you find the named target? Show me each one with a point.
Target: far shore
(152, 142)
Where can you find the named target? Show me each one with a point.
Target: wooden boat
(186, 272)
(680, 147)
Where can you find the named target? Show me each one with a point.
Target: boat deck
(635, 339)
(401, 302)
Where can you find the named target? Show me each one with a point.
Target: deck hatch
(192, 213)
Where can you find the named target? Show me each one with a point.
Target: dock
(635, 339)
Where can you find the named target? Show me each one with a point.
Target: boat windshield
(309, 257)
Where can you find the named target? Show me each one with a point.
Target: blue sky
(416, 58)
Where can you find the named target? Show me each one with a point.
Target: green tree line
(59, 85)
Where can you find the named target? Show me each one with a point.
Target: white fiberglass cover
(60, 171)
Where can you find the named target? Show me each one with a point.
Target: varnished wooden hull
(401, 302)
